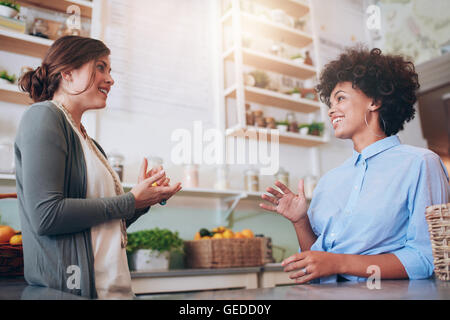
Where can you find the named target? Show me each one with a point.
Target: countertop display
(429, 289)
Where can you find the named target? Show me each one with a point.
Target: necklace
(117, 185)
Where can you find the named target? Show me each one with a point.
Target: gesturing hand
(291, 206)
(146, 193)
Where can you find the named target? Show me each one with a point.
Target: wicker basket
(438, 218)
(224, 253)
(11, 260)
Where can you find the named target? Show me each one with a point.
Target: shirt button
(356, 187)
(333, 234)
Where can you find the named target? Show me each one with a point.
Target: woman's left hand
(144, 174)
(317, 264)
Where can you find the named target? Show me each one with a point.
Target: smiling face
(97, 93)
(347, 110)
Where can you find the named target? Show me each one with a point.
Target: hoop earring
(384, 125)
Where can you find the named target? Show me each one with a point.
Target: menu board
(160, 56)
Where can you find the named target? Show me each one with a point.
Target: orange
(16, 239)
(6, 232)
(217, 236)
(197, 236)
(228, 234)
(206, 237)
(239, 235)
(247, 233)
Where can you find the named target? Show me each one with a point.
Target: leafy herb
(281, 123)
(10, 4)
(156, 239)
(6, 76)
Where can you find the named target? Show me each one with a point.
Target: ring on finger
(304, 271)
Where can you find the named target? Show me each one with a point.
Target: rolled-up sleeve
(430, 186)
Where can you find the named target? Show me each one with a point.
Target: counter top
(429, 289)
(192, 272)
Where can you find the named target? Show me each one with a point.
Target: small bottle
(251, 180)
(221, 178)
(282, 176)
(250, 119)
(310, 183)
(190, 177)
(116, 161)
(292, 122)
(308, 59)
(154, 162)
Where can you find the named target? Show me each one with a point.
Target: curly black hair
(389, 79)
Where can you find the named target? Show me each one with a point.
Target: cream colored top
(112, 275)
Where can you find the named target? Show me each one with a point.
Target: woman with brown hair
(73, 210)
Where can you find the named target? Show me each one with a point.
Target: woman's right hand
(291, 206)
(145, 194)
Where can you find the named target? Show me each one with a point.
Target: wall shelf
(275, 99)
(295, 8)
(273, 63)
(11, 93)
(269, 29)
(24, 44)
(60, 5)
(284, 137)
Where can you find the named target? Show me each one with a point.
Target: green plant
(298, 55)
(6, 76)
(283, 123)
(295, 90)
(303, 125)
(261, 78)
(10, 4)
(155, 239)
(316, 128)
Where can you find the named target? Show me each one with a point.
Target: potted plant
(295, 93)
(304, 129)
(6, 78)
(155, 249)
(261, 78)
(316, 128)
(298, 58)
(9, 9)
(282, 126)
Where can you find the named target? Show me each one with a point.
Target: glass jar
(310, 183)
(116, 162)
(190, 176)
(271, 123)
(7, 157)
(283, 177)
(251, 180)
(154, 162)
(222, 178)
(292, 122)
(249, 117)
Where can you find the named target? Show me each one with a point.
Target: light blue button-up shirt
(375, 202)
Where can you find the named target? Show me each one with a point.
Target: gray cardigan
(56, 218)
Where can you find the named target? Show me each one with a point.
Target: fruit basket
(224, 253)
(438, 219)
(11, 255)
(11, 260)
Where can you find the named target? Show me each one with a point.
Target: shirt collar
(375, 148)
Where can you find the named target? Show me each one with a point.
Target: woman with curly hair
(368, 214)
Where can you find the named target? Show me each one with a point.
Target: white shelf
(11, 93)
(60, 5)
(273, 63)
(269, 29)
(24, 44)
(284, 137)
(7, 177)
(275, 99)
(294, 8)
